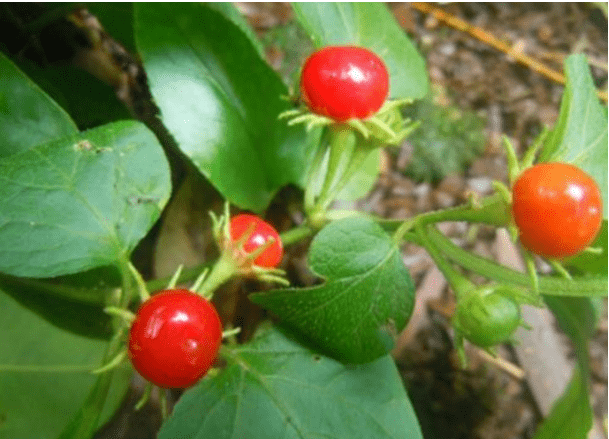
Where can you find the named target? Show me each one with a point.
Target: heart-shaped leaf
(81, 201)
(580, 133)
(220, 101)
(366, 299)
(274, 387)
(369, 25)
(28, 116)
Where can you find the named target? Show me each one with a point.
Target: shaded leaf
(28, 116)
(366, 299)
(45, 374)
(229, 11)
(274, 388)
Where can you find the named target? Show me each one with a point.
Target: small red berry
(558, 209)
(261, 233)
(344, 82)
(174, 338)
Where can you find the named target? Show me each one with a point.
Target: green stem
(314, 172)
(489, 210)
(459, 283)
(358, 157)
(295, 235)
(222, 271)
(139, 281)
(583, 287)
(342, 146)
(512, 160)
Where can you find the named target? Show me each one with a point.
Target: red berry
(261, 233)
(558, 209)
(174, 338)
(344, 82)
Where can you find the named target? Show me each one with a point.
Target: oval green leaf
(274, 387)
(28, 116)
(81, 201)
(373, 26)
(365, 301)
(220, 101)
(580, 133)
(45, 370)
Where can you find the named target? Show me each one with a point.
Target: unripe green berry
(487, 316)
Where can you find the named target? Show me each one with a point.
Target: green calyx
(385, 127)
(233, 260)
(344, 148)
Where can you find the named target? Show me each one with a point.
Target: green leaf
(274, 387)
(220, 101)
(96, 409)
(571, 416)
(27, 115)
(365, 301)
(45, 373)
(591, 262)
(373, 26)
(88, 100)
(90, 287)
(79, 318)
(80, 202)
(229, 11)
(580, 133)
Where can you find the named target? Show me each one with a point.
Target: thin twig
(489, 39)
(502, 364)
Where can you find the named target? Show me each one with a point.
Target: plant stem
(222, 271)
(314, 172)
(139, 281)
(584, 287)
(490, 210)
(358, 156)
(459, 283)
(296, 234)
(342, 146)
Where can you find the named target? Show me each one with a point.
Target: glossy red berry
(261, 233)
(558, 209)
(174, 338)
(344, 82)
